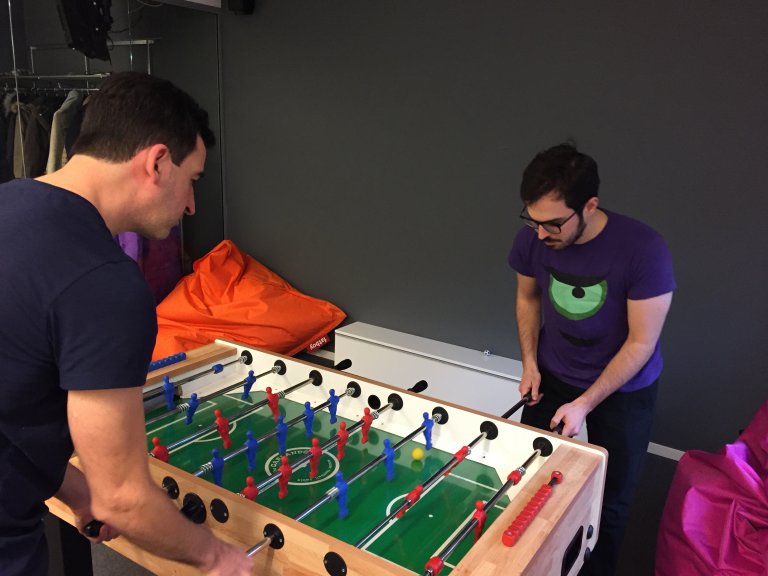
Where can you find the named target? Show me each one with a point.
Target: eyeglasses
(550, 226)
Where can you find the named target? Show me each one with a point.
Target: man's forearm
(629, 360)
(528, 312)
(74, 490)
(152, 522)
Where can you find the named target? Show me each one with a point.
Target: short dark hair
(132, 111)
(564, 170)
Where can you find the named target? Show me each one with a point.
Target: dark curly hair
(564, 170)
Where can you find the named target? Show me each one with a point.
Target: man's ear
(157, 161)
(591, 205)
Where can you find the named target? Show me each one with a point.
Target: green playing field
(409, 542)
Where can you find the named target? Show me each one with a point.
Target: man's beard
(564, 243)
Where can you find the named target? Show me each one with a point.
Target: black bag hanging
(86, 24)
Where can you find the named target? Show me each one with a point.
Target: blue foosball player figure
(333, 401)
(341, 497)
(192, 406)
(251, 445)
(309, 418)
(169, 389)
(218, 467)
(249, 380)
(282, 433)
(428, 423)
(389, 459)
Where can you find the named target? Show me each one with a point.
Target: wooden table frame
(566, 526)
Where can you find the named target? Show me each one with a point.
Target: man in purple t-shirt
(593, 291)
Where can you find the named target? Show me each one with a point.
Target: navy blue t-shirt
(75, 314)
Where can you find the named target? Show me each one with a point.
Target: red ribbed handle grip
(513, 532)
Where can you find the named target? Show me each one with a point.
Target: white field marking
(336, 467)
(473, 482)
(392, 503)
(401, 497)
(482, 486)
(239, 399)
(389, 511)
(203, 408)
(212, 436)
(458, 529)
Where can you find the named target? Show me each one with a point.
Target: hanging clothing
(62, 120)
(6, 173)
(132, 245)
(86, 25)
(32, 134)
(73, 131)
(158, 260)
(8, 135)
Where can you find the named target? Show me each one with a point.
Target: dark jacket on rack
(6, 172)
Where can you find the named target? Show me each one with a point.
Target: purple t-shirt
(585, 288)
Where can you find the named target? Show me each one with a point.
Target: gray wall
(374, 151)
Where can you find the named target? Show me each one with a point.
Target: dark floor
(639, 550)
(637, 556)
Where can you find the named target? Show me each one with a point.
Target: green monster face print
(576, 297)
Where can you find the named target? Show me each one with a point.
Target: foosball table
(316, 470)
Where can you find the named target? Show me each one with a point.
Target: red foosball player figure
(159, 451)
(367, 421)
(316, 452)
(480, 515)
(285, 475)
(434, 566)
(411, 499)
(222, 425)
(273, 401)
(342, 441)
(250, 491)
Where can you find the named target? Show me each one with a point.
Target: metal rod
(13, 53)
(273, 478)
(94, 76)
(184, 407)
(406, 504)
(259, 546)
(523, 401)
(207, 467)
(470, 524)
(54, 46)
(157, 392)
(271, 433)
(331, 494)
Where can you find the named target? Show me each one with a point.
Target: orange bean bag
(232, 296)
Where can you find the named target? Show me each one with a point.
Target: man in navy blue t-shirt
(77, 329)
(593, 291)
